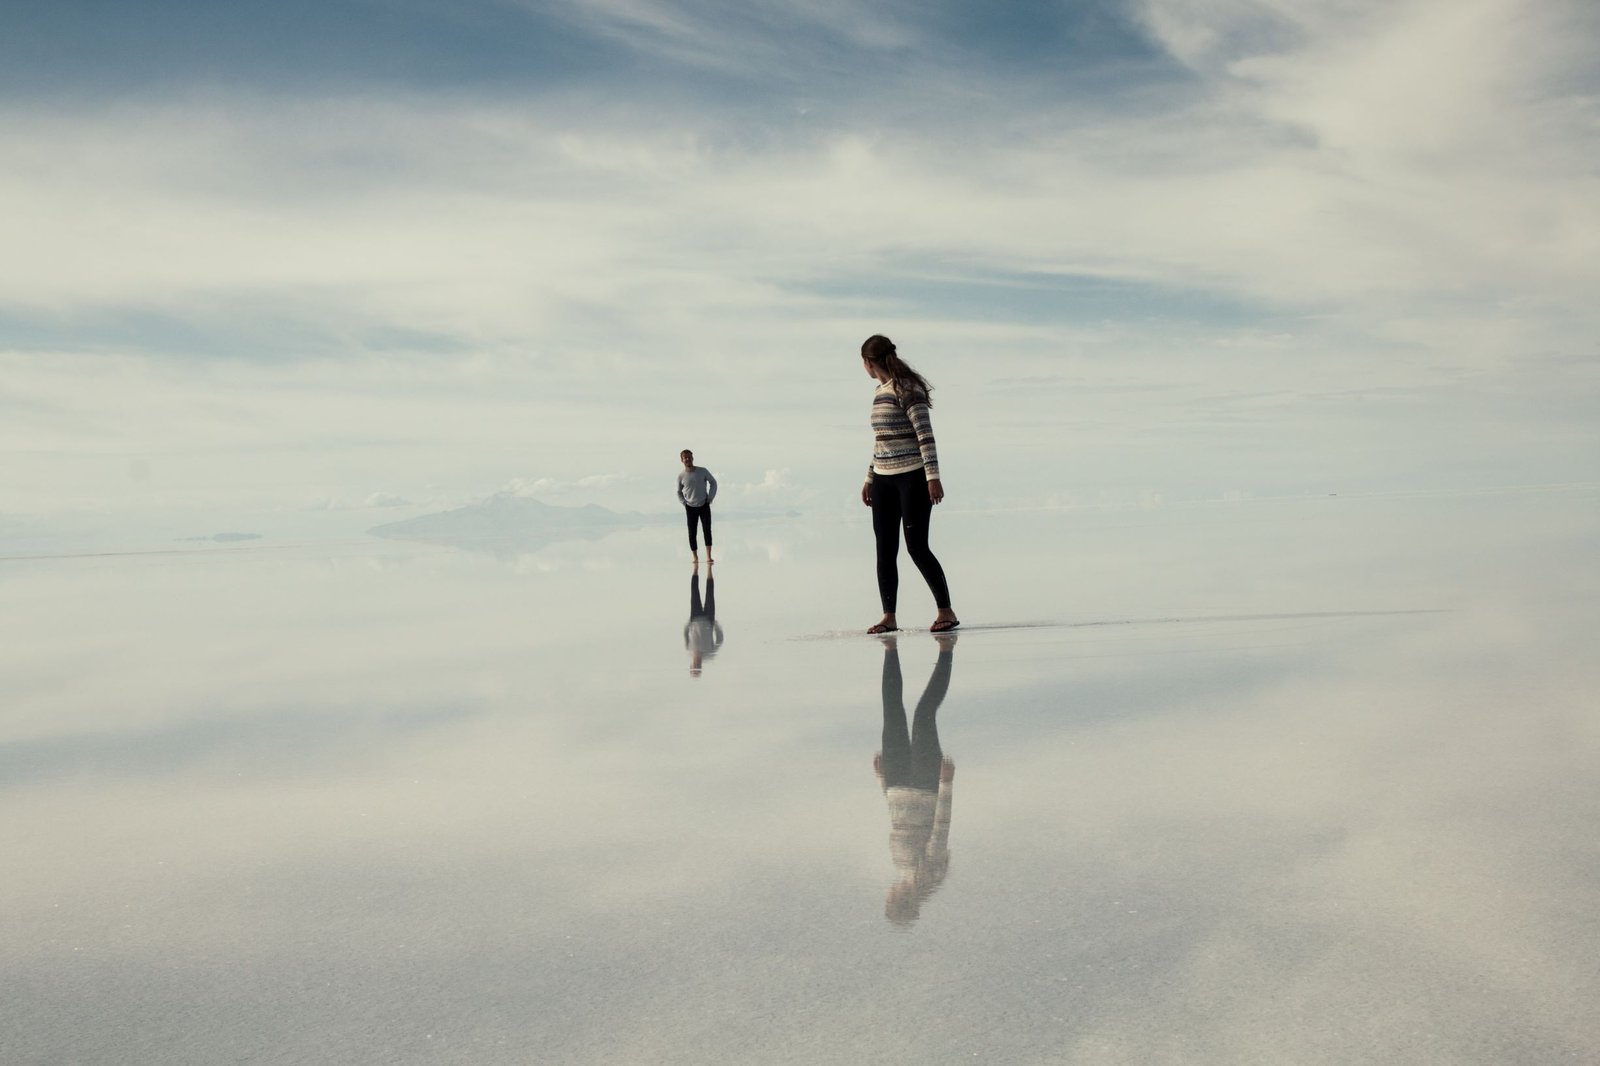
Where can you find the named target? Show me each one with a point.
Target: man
(696, 489)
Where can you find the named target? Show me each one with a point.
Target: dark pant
(703, 513)
(911, 757)
(902, 499)
(707, 609)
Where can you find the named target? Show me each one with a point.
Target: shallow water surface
(1296, 781)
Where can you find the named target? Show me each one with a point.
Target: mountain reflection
(702, 634)
(917, 780)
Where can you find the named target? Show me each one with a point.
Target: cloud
(553, 486)
(371, 501)
(1271, 198)
(1425, 154)
(762, 36)
(771, 483)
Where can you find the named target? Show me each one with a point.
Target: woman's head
(884, 363)
(877, 348)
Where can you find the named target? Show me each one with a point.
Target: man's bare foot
(888, 625)
(695, 558)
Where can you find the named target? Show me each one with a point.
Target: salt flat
(1291, 781)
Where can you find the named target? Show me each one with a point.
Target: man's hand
(866, 493)
(935, 490)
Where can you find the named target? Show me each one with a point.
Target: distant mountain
(506, 523)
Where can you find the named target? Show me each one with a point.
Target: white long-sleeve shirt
(696, 487)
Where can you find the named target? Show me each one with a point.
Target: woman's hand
(935, 490)
(866, 493)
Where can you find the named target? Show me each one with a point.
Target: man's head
(688, 458)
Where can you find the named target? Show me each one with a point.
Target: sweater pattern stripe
(902, 434)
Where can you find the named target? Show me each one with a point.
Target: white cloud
(758, 37)
(519, 486)
(371, 501)
(1364, 196)
(1424, 151)
(554, 486)
(771, 483)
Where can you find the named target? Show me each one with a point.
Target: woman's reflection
(702, 635)
(916, 780)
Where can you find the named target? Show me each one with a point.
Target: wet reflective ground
(1283, 782)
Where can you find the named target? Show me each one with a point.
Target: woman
(903, 481)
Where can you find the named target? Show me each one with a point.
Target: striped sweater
(902, 434)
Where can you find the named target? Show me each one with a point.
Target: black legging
(902, 499)
(703, 513)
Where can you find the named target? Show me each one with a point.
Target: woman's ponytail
(881, 350)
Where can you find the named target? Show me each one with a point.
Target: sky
(382, 258)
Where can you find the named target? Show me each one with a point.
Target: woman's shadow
(917, 782)
(702, 634)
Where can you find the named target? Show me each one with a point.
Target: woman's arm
(922, 422)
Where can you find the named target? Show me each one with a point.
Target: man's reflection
(702, 635)
(916, 780)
